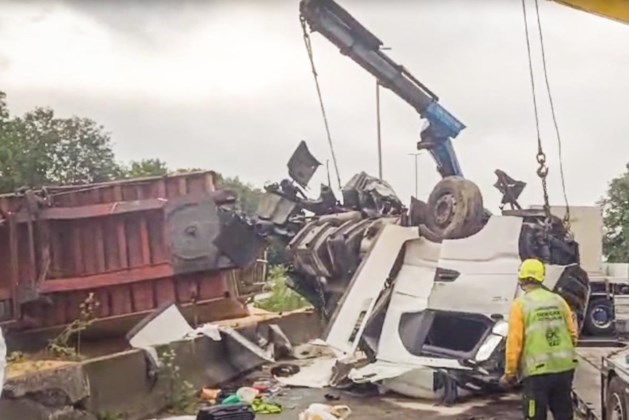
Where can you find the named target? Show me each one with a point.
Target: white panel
(476, 293)
(366, 286)
(390, 346)
(488, 264)
(493, 250)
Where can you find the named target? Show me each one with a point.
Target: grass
(282, 299)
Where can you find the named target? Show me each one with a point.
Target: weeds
(282, 299)
(15, 357)
(181, 393)
(108, 415)
(61, 346)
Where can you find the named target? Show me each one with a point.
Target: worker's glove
(507, 381)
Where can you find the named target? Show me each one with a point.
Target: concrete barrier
(126, 386)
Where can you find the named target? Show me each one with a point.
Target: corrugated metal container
(135, 244)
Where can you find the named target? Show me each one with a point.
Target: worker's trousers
(544, 392)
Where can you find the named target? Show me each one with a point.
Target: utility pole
(379, 133)
(416, 173)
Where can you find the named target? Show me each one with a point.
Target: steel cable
(554, 116)
(308, 44)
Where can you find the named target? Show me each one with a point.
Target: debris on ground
(325, 412)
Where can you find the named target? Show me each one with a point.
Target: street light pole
(416, 172)
(379, 133)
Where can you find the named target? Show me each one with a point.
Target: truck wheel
(615, 403)
(455, 208)
(599, 319)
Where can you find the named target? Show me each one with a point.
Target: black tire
(455, 208)
(615, 401)
(593, 326)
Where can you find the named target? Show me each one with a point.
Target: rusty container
(135, 244)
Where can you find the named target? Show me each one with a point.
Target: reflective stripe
(533, 304)
(543, 358)
(545, 325)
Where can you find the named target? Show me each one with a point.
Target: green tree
(248, 196)
(616, 219)
(145, 168)
(40, 148)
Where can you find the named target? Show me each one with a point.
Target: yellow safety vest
(547, 346)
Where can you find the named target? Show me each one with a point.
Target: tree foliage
(145, 168)
(616, 219)
(40, 148)
(248, 196)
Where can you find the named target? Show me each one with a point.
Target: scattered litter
(261, 407)
(247, 394)
(284, 370)
(263, 386)
(325, 412)
(232, 399)
(210, 395)
(315, 375)
(332, 397)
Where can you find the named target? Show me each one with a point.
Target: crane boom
(355, 41)
(617, 10)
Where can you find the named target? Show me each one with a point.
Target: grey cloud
(4, 62)
(473, 57)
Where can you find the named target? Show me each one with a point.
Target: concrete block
(125, 383)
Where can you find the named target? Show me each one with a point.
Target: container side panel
(25, 268)
(134, 242)
(186, 288)
(110, 238)
(142, 296)
(88, 248)
(5, 259)
(59, 309)
(155, 224)
(196, 185)
(56, 250)
(104, 308)
(78, 267)
(172, 188)
(165, 291)
(99, 240)
(121, 300)
(212, 286)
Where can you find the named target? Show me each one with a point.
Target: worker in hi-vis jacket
(541, 347)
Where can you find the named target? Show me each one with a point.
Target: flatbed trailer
(600, 360)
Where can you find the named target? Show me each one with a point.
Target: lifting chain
(542, 173)
(542, 170)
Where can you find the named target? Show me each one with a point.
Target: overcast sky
(226, 85)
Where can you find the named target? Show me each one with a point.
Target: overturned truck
(134, 245)
(424, 292)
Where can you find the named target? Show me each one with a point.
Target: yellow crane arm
(617, 10)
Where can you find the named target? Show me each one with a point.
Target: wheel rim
(444, 209)
(617, 408)
(601, 317)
